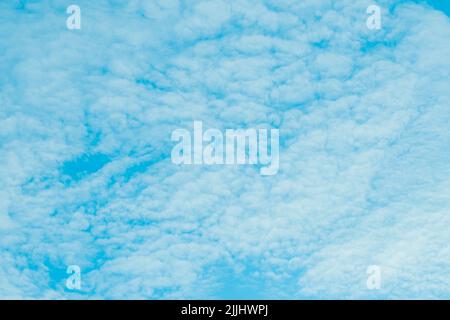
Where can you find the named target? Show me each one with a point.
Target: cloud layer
(85, 171)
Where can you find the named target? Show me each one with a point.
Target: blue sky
(86, 177)
(443, 5)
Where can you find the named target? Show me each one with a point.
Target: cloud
(86, 176)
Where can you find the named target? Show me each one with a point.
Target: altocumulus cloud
(85, 170)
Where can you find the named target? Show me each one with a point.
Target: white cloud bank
(85, 174)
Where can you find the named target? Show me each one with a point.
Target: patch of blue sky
(84, 165)
(442, 5)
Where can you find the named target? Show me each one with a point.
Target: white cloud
(364, 156)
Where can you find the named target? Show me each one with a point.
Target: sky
(442, 5)
(86, 177)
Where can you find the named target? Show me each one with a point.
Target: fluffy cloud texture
(86, 177)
